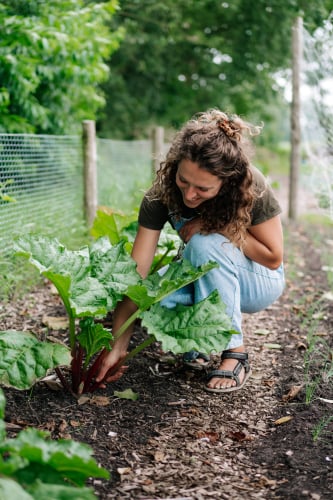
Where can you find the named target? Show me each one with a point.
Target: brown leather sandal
(242, 358)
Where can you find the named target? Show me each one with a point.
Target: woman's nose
(190, 193)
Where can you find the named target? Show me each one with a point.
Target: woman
(224, 211)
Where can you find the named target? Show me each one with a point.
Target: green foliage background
(181, 57)
(52, 56)
(132, 64)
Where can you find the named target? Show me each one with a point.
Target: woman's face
(196, 184)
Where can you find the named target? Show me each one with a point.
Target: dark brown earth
(179, 442)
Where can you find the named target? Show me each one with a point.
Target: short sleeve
(266, 206)
(153, 214)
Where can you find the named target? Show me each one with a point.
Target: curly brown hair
(216, 142)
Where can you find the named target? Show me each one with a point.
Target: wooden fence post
(297, 51)
(157, 147)
(90, 170)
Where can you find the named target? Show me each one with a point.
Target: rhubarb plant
(33, 466)
(90, 282)
(118, 226)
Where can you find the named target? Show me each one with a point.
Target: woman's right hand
(111, 367)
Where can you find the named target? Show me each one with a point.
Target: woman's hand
(190, 228)
(111, 368)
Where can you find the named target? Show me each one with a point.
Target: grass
(312, 308)
(320, 429)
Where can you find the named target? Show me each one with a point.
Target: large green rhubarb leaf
(203, 327)
(45, 458)
(24, 360)
(12, 490)
(45, 491)
(115, 225)
(113, 267)
(49, 254)
(105, 225)
(69, 271)
(156, 287)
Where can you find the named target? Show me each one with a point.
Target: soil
(270, 440)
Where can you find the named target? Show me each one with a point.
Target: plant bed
(178, 441)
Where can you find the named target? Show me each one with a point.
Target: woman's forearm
(261, 253)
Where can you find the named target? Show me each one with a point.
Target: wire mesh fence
(124, 171)
(41, 185)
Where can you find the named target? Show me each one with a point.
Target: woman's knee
(203, 248)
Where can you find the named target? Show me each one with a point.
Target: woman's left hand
(190, 228)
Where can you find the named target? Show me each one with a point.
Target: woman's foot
(232, 373)
(195, 360)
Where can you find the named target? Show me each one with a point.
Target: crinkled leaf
(66, 458)
(204, 326)
(13, 491)
(156, 287)
(47, 253)
(105, 225)
(69, 271)
(113, 267)
(115, 225)
(81, 298)
(93, 337)
(43, 491)
(89, 298)
(10, 463)
(24, 360)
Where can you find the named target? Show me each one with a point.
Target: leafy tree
(52, 56)
(180, 57)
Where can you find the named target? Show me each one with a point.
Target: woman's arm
(143, 252)
(264, 243)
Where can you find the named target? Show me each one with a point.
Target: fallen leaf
(273, 346)
(75, 423)
(13, 427)
(264, 481)
(328, 296)
(63, 425)
(82, 400)
(126, 394)
(123, 470)
(159, 456)
(262, 331)
(52, 382)
(50, 426)
(56, 322)
(292, 393)
(210, 436)
(283, 420)
(100, 400)
(237, 436)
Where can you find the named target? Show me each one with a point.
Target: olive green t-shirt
(154, 214)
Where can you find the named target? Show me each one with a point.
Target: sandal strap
(190, 356)
(226, 374)
(241, 356)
